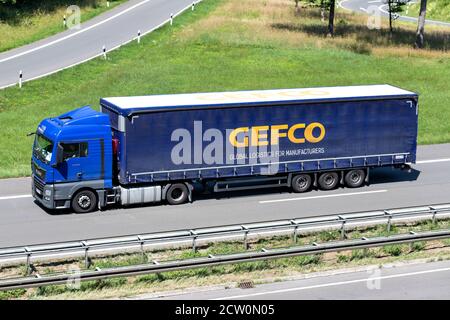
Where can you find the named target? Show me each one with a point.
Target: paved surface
(418, 281)
(381, 6)
(71, 47)
(23, 222)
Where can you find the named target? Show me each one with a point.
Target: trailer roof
(137, 104)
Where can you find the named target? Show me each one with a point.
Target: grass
(238, 45)
(256, 271)
(35, 20)
(436, 10)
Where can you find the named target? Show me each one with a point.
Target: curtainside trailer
(146, 149)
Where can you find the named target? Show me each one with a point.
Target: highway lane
(74, 46)
(22, 222)
(363, 6)
(411, 281)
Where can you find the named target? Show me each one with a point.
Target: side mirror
(59, 155)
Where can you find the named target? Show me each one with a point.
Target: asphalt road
(415, 281)
(23, 222)
(363, 6)
(71, 47)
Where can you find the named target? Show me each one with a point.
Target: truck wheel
(301, 182)
(328, 180)
(355, 178)
(84, 201)
(177, 194)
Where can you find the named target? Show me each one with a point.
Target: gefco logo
(258, 136)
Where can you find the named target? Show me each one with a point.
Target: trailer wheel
(301, 182)
(328, 180)
(84, 201)
(355, 178)
(177, 194)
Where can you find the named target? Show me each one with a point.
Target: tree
(421, 24)
(330, 4)
(394, 7)
(331, 18)
(297, 8)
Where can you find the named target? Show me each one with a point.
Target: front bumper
(46, 195)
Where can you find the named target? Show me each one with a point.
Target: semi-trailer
(146, 149)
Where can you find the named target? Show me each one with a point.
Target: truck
(167, 148)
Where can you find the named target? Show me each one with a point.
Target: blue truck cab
(72, 153)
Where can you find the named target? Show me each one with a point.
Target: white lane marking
(433, 161)
(100, 54)
(16, 197)
(324, 196)
(333, 284)
(76, 33)
(375, 1)
(363, 9)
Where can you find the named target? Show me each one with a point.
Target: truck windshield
(43, 148)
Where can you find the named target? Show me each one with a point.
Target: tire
(355, 178)
(301, 183)
(328, 180)
(84, 201)
(177, 194)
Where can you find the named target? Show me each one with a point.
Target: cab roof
(128, 106)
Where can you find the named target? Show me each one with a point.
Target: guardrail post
(343, 235)
(144, 256)
(28, 251)
(87, 261)
(193, 6)
(434, 216)
(388, 227)
(171, 19)
(245, 236)
(411, 244)
(194, 240)
(294, 236)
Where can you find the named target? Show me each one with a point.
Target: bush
(12, 294)
(393, 250)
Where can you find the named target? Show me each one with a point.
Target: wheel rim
(355, 177)
(329, 180)
(177, 194)
(84, 201)
(302, 182)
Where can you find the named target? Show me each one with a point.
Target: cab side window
(75, 150)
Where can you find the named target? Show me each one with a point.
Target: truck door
(82, 160)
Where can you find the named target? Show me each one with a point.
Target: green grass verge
(32, 21)
(436, 10)
(188, 58)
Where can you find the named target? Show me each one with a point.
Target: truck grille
(39, 188)
(39, 171)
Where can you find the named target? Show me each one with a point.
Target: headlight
(48, 192)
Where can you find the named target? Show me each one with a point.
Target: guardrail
(196, 237)
(156, 267)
